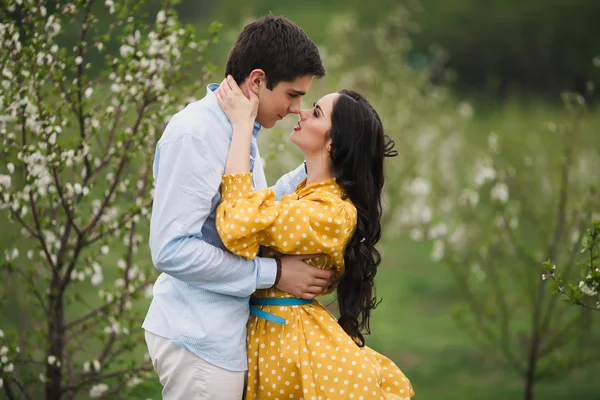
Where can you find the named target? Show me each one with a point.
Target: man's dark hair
(277, 46)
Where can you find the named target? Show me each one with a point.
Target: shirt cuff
(236, 186)
(267, 272)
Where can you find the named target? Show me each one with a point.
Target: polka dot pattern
(313, 219)
(311, 357)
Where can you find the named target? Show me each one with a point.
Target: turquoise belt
(274, 301)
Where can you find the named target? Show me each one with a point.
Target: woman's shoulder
(330, 194)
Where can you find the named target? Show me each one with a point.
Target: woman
(296, 348)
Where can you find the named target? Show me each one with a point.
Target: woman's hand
(240, 109)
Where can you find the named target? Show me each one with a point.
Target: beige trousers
(184, 376)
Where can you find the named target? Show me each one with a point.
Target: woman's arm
(241, 112)
(246, 219)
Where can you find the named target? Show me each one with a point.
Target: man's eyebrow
(298, 92)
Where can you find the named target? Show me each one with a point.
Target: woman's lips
(297, 127)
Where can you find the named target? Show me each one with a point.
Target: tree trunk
(55, 345)
(529, 384)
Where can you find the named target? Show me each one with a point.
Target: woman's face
(311, 133)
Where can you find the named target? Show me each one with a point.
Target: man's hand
(300, 279)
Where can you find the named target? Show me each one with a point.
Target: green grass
(414, 327)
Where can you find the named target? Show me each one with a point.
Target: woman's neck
(318, 168)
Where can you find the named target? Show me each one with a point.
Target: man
(196, 324)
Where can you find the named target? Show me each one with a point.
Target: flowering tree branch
(74, 134)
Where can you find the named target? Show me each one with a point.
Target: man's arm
(186, 182)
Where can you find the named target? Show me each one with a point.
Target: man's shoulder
(196, 119)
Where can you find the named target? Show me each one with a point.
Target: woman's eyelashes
(315, 112)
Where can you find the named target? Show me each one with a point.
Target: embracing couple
(233, 312)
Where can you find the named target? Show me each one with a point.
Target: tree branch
(98, 378)
(102, 308)
(63, 202)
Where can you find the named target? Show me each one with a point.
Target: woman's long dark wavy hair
(358, 148)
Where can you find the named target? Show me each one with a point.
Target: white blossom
(52, 26)
(126, 50)
(134, 381)
(465, 110)
(590, 291)
(98, 390)
(5, 181)
(493, 142)
(438, 231)
(97, 277)
(78, 60)
(110, 6)
(12, 254)
(9, 368)
(416, 234)
(438, 250)
(96, 364)
(500, 192)
(484, 173)
(51, 360)
(148, 291)
(88, 92)
(116, 87)
(420, 187)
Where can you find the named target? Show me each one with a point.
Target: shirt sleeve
(288, 182)
(312, 224)
(186, 182)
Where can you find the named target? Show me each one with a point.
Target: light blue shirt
(201, 297)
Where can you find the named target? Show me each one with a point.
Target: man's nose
(294, 107)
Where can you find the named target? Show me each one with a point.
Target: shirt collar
(215, 106)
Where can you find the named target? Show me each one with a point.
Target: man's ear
(256, 80)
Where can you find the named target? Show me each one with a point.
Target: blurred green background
(505, 62)
(510, 59)
(497, 48)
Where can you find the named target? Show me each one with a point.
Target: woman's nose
(304, 114)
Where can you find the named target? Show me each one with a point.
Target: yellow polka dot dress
(309, 357)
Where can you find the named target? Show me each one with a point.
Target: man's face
(281, 101)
